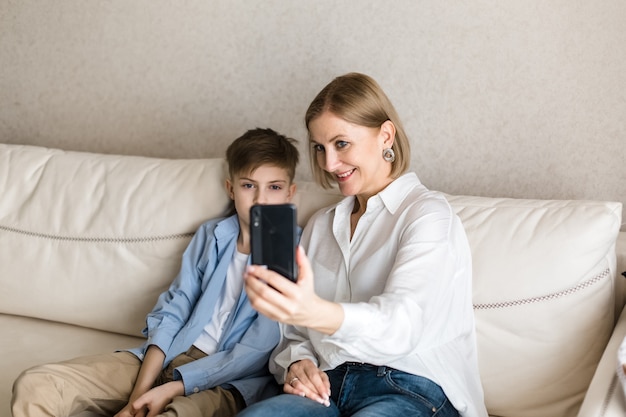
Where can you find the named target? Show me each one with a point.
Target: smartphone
(273, 238)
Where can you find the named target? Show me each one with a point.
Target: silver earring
(389, 155)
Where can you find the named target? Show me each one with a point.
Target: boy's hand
(128, 411)
(307, 380)
(153, 402)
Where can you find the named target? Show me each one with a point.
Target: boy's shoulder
(228, 223)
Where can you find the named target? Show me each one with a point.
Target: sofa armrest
(605, 396)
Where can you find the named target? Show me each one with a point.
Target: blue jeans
(365, 391)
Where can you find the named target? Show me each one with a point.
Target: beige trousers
(102, 384)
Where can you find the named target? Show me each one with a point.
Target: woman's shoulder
(320, 215)
(421, 204)
(418, 196)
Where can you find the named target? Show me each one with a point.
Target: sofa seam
(514, 303)
(97, 239)
(609, 395)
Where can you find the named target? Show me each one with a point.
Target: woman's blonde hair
(357, 98)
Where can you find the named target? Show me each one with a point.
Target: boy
(206, 350)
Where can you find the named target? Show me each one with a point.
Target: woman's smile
(345, 175)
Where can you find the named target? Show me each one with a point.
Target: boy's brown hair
(259, 147)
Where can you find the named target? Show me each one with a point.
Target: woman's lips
(344, 175)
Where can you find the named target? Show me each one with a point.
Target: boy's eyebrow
(251, 180)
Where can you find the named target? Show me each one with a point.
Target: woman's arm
(296, 304)
(292, 303)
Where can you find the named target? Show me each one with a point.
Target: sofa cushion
(27, 342)
(543, 298)
(93, 239)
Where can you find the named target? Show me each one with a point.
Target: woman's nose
(331, 162)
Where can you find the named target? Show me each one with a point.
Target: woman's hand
(293, 303)
(307, 380)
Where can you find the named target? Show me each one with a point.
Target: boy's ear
(292, 191)
(229, 188)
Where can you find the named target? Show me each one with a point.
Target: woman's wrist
(292, 363)
(327, 317)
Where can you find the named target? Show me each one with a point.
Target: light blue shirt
(184, 309)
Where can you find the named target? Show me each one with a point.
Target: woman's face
(352, 153)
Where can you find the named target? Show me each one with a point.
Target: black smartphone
(274, 238)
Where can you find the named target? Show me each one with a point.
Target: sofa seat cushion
(27, 342)
(543, 294)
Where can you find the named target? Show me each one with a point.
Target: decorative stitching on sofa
(98, 239)
(609, 396)
(569, 291)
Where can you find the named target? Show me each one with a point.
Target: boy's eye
(276, 187)
(247, 185)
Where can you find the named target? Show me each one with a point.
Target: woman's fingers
(306, 379)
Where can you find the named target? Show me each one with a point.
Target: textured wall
(500, 98)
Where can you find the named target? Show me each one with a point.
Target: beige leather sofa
(88, 241)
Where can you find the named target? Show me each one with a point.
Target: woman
(380, 322)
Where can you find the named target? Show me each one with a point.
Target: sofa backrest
(92, 240)
(543, 294)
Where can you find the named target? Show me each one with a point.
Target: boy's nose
(260, 198)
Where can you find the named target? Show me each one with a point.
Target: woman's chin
(347, 190)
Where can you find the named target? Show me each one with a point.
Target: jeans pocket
(418, 387)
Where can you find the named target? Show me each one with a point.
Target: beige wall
(500, 98)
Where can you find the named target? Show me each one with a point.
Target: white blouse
(404, 281)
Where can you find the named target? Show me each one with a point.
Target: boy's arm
(247, 358)
(175, 305)
(150, 368)
(148, 373)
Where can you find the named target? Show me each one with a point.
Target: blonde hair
(357, 98)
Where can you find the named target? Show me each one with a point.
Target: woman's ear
(388, 132)
(229, 189)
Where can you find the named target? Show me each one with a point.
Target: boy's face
(267, 184)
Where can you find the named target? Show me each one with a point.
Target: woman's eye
(341, 144)
(318, 148)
